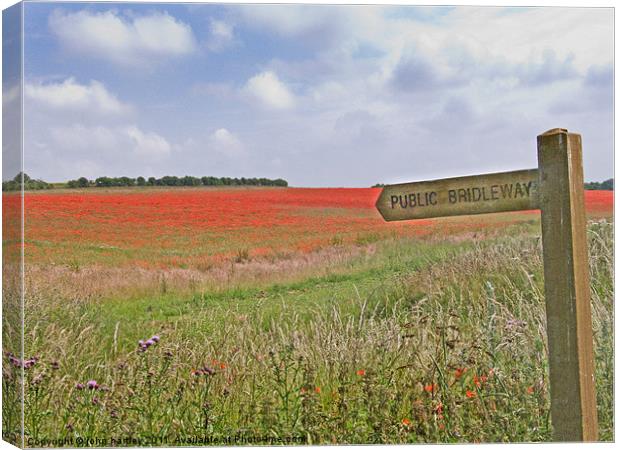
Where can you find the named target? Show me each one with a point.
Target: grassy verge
(416, 342)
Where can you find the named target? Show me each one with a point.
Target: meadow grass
(406, 340)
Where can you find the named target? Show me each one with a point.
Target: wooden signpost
(556, 188)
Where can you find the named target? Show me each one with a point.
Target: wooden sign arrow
(478, 194)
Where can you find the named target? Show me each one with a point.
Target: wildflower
(222, 365)
(317, 389)
(144, 345)
(406, 422)
(95, 401)
(470, 394)
(79, 386)
(479, 380)
(430, 388)
(204, 371)
(92, 384)
(530, 390)
(458, 373)
(439, 408)
(25, 363)
(361, 372)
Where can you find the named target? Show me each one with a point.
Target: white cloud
(92, 98)
(128, 41)
(10, 93)
(108, 141)
(221, 35)
(269, 91)
(148, 144)
(225, 142)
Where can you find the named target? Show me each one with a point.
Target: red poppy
(361, 372)
(470, 394)
(439, 408)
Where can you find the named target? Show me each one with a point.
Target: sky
(318, 95)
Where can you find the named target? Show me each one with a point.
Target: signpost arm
(567, 287)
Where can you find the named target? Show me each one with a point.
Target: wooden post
(567, 287)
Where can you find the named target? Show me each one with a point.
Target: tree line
(170, 180)
(607, 185)
(30, 184)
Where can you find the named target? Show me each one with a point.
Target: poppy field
(203, 316)
(155, 228)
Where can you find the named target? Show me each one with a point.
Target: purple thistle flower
(79, 386)
(15, 361)
(155, 338)
(92, 384)
(140, 343)
(29, 363)
(149, 342)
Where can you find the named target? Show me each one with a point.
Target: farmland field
(286, 315)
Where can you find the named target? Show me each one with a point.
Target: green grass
(417, 341)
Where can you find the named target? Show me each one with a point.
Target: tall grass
(441, 342)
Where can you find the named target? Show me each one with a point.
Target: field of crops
(190, 316)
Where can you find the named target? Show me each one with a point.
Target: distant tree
(18, 178)
(29, 184)
(170, 181)
(103, 182)
(167, 180)
(607, 185)
(126, 181)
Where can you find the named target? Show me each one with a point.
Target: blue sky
(319, 95)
